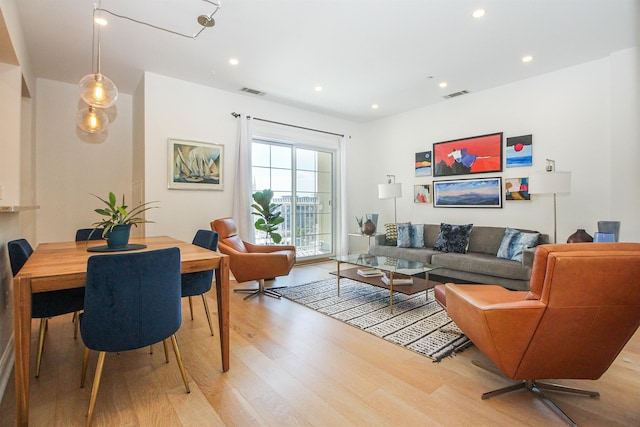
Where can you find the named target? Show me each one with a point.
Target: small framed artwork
(516, 189)
(478, 154)
(422, 193)
(195, 165)
(468, 193)
(423, 163)
(519, 151)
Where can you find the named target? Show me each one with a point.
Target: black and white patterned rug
(417, 323)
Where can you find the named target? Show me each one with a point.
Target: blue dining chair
(132, 300)
(83, 234)
(199, 283)
(44, 304)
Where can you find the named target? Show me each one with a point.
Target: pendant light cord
(137, 21)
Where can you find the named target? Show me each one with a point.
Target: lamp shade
(387, 191)
(550, 183)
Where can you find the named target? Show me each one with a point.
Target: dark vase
(369, 228)
(580, 236)
(118, 236)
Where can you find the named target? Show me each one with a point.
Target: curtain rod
(236, 115)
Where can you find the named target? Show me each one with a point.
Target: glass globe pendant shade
(98, 90)
(92, 120)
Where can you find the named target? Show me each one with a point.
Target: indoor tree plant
(118, 219)
(269, 214)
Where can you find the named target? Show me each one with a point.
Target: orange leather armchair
(582, 307)
(253, 262)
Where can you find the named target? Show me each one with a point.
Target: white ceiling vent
(252, 91)
(453, 95)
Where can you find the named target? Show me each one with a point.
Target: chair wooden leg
(85, 362)
(166, 350)
(41, 335)
(206, 310)
(191, 308)
(176, 350)
(96, 386)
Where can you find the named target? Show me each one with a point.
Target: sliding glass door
(302, 180)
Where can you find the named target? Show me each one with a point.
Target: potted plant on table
(118, 220)
(269, 215)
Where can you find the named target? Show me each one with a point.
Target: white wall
(179, 109)
(568, 113)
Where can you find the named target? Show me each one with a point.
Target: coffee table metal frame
(393, 266)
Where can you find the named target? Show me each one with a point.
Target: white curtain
(241, 212)
(343, 244)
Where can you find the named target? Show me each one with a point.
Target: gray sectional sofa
(479, 264)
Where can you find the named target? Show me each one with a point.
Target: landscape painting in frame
(195, 165)
(421, 193)
(423, 163)
(519, 151)
(516, 189)
(478, 154)
(468, 193)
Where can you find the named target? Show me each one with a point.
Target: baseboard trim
(6, 365)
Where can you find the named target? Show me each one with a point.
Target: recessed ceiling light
(374, 106)
(527, 58)
(443, 84)
(318, 88)
(100, 21)
(233, 61)
(479, 13)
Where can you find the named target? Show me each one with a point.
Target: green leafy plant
(269, 214)
(120, 214)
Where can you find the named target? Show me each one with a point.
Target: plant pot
(118, 236)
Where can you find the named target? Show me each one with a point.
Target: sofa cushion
(484, 264)
(453, 238)
(515, 242)
(411, 254)
(410, 236)
(391, 234)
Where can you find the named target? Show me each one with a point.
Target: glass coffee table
(398, 270)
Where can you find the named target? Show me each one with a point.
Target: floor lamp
(391, 189)
(551, 182)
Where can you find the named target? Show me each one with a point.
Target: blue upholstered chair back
(206, 239)
(44, 304)
(199, 282)
(83, 234)
(19, 252)
(132, 300)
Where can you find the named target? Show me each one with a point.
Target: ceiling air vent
(453, 95)
(252, 91)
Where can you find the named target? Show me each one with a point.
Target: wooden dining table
(63, 265)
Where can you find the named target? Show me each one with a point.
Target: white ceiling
(393, 53)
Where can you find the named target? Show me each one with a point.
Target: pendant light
(96, 89)
(92, 119)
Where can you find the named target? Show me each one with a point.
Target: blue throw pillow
(515, 242)
(453, 238)
(411, 235)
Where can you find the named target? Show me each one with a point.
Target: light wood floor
(291, 366)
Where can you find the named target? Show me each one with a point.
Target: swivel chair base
(537, 387)
(260, 290)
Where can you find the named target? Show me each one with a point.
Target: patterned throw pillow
(391, 234)
(453, 238)
(515, 242)
(411, 235)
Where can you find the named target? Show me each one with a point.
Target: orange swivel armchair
(253, 262)
(582, 307)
